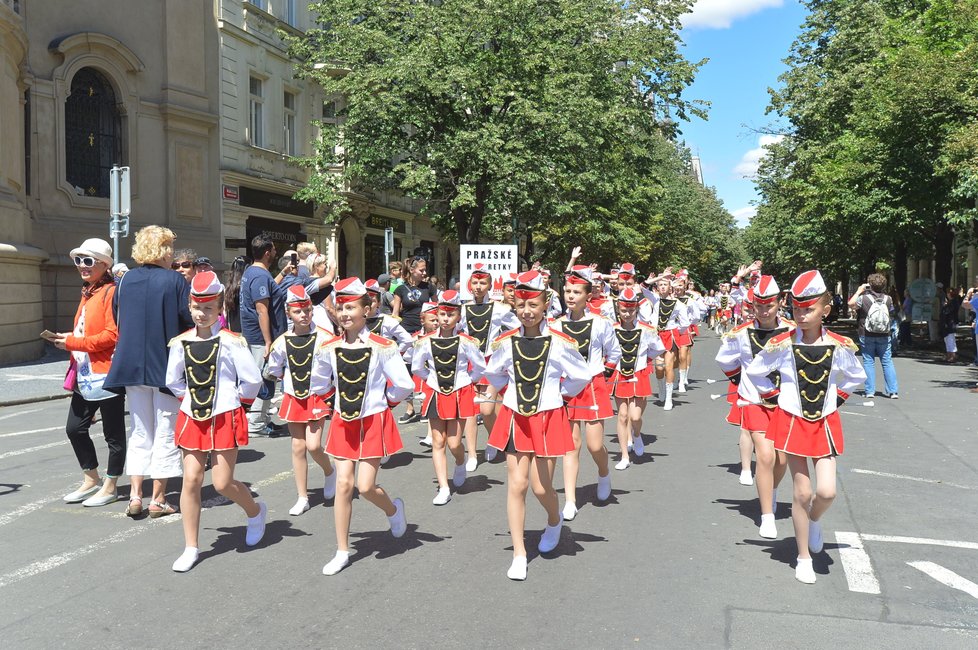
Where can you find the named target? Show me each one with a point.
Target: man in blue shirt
(262, 307)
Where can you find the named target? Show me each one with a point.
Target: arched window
(93, 130)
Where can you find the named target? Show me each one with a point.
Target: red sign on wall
(230, 193)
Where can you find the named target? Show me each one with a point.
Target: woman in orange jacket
(91, 343)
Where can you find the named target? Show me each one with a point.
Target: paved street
(674, 560)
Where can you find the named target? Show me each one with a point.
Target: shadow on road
(232, 538)
(382, 544)
(477, 483)
(10, 488)
(786, 551)
(732, 468)
(248, 455)
(402, 459)
(751, 508)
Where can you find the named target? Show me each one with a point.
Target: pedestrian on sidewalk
(91, 344)
(949, 324)
(151, 307)
(875, 312)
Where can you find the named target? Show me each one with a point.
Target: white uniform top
(238, 376)
(603, 349)
(321, 319)
(386, 366)
(503, 319)
(678, 319)
(390, 328)
(697, 307)
(554, 309)
(738, 295)
(565, 374)
(423, 361)
(649, 344)
(278, 361)
(736, 353)
(845, 376)
(607, 308)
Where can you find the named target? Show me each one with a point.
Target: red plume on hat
(205, 287)
(808, 288)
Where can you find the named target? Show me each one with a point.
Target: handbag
(267, 390)
(71, 376)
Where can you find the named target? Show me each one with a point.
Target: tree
(500, 116)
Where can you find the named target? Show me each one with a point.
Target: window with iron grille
(93, 133)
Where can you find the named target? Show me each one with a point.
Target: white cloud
(744, 215)
(720, 14)
(747, 167)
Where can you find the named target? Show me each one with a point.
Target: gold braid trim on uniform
(203, 361)
(536, 358)
(447, 347)
(198, 402)
(812, 400)
(814, 362)
(190, 371)
(533, 398)
(804, 375)
(524, 377)
(352, 361)
(812, 415)
(352, 381)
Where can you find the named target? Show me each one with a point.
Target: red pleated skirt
(671, 339)
(418, 384)
(228, 430)
(638, 385)
(454, 406)
(694, 329)
(373, 436)
(309, 409)
(544, 434)
(735, 415)
(756, 417)
(800, 437)
(592, 403)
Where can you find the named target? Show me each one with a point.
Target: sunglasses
(181, 265)
(88, 262)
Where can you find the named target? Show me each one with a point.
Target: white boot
(682, 381)
(667, 405)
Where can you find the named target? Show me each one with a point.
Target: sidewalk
(35, 381)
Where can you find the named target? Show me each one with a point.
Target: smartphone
(48, 335)
(295, 259)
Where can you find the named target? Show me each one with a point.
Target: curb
(32, 400)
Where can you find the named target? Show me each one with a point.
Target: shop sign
(500, 260)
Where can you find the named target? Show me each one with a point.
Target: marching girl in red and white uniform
(818, 370)
(600, 303)
(429, 323)
(370, 378)
(448, 362)
(483, 319)
(671, 318)
(684, 356)
(737, 350)
(631, 383)
(538, 366)
(384, 324)
(725, 305)
(597, 343)
(212, 373)
(292, 359)
(509, 291)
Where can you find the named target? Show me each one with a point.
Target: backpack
(878, 317)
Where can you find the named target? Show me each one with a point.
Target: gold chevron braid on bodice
(519, 351)
(814, 362)
(353, 361)
(210, 356)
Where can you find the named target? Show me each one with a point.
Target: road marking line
(19, 413)
(25, 509)
(55, 561)
(911, 478)
(862, 415)
(920, 540)
(24, 433)
(947, 577)
(30, 449)
(856, 564)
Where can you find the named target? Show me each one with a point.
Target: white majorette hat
(296, 296)
(480, 269)
(373, 286)
(629, 297)
(429, 307)
(348, 290)
(808, 288)
(530, 285)
(94, 247)
(580, 274)
(205, 287)
(449, 299)
(750, 297)
(766, 291)
(510, 279)
(627, 270)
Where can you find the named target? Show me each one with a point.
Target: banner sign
(500, 260)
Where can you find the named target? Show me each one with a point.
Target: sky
(746, 42)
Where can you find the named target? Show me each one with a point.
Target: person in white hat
(303, 407)
(212, 372)
(91, 343)
(539, 367)
(671, 318)
(737, 349)
(597, 343)
(449, 362)
(369, 378)
(818, 370)
(384, 324)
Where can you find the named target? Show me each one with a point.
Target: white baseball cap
(97, 248)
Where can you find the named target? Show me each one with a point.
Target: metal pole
(114, 211)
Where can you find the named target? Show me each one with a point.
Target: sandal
(164, 509)
(134, 510)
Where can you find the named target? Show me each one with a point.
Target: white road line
(947, 577)
(911, 478)
(856, 564)
(25, 509)
(19, 413)
(919, 540)
(862, 415)
(24, 433)
(30, 449)
(55, 561)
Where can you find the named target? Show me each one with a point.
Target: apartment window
(288, 103)
(256, 120)
(261, 4)
(290, 16)
(93, 133)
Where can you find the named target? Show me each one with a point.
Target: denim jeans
(878, 347)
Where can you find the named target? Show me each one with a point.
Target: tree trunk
(900, 266)
(943, 253)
